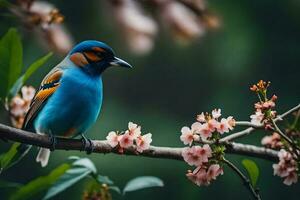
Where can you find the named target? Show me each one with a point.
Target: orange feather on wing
(47, 88)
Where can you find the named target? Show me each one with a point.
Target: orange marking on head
(92, 56)
(53, 77)
(69, 132)
(98, 49)
(79, 59)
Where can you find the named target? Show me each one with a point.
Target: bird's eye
(100, 54)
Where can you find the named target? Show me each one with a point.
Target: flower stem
(244, 178)
(277, 129)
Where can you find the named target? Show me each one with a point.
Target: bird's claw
(88, 148)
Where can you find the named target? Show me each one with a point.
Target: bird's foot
(88, 145)
(53, 142)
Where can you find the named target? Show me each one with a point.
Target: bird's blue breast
(73, 107)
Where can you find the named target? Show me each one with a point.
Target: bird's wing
(48, 86)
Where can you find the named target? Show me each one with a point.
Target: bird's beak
(119, 63)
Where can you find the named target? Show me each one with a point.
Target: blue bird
(69, 98)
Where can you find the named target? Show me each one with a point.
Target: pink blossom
(205, 131)
(28, 93)
(112, 139)
(284, 155)
(268, 104)
(291, 178)
(286, 168)
(134, 130)
(280, 170)
(196, 155)
(267, 140)
(191, 157)
(223, 126)
(191, 176)
(203, 176)
(216, 113)
(214, 171)
(257, 118)
(212, 124)
(204, 152)
(230, 122)
(143, 142)
(188, 135)
(196, 127)
(125, 140)
(201, 117)
(198, 176)
(273, 141)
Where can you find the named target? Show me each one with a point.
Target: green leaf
(142, 182)
(71, 177)
(8, 157)
(252, 170)
(39, 184)
(81, 168)
(16, 152)
(11, 56)
(86, 163)
(104, 179)
(30, 70)
(7, 184)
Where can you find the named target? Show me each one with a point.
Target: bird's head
(94, 57)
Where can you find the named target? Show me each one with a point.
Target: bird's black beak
(119, 63)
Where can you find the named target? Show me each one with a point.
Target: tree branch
(101, 146)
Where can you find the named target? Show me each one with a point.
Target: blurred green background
(169, 86)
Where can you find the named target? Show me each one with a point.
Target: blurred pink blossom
(273, 141)
(286, 168)
(28, 93)
(19, 105)
(51, 32)
(191, 27)
(139, 28)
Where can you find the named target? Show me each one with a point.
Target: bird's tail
(43, 156)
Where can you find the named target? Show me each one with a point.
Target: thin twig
(285, 137)
(244, 178)
(101, 146)
(247, 124)
(236, 135)
(280, 117)
(253, 127)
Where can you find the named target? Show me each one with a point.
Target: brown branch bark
(101, 146)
